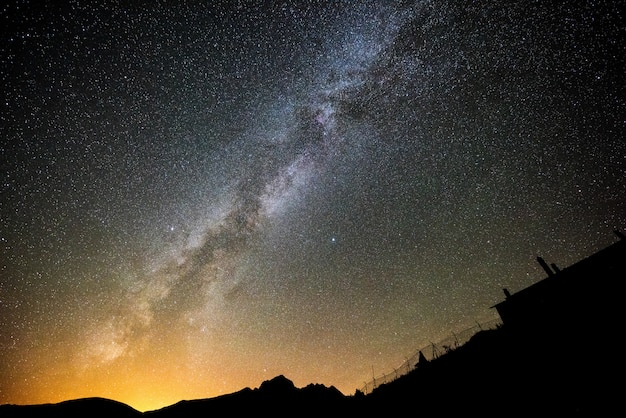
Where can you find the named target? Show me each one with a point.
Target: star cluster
(199, 196)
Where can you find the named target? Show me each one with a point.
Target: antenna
(545, 266)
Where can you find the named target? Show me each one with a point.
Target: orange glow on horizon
(147, 382)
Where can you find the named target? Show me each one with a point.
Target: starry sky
(197, 196)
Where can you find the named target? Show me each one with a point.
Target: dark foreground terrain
(496, 373)
(556, 354)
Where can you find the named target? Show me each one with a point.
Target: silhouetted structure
(569, 298)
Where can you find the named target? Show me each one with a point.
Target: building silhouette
(584, 294)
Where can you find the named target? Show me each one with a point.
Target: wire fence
(430, 352)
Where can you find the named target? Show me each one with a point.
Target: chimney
(545, 266)
(555, 268)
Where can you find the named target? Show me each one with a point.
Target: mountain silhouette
(275, 397)
(73, 408)
(552, 355)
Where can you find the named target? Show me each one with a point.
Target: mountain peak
(278, 384)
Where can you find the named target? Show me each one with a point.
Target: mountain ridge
(102, 406)
(537, 362)
(498, 370)
(269, 396)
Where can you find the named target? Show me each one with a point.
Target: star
(195, 197)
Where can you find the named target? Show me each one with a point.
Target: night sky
(200, 196)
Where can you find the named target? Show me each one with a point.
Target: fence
(430, 352)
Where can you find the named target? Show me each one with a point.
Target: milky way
(198, 197)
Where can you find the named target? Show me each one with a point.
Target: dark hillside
(74, 408)
(550, 355)
(499, 372)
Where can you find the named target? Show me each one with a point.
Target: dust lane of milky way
(200, 196)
